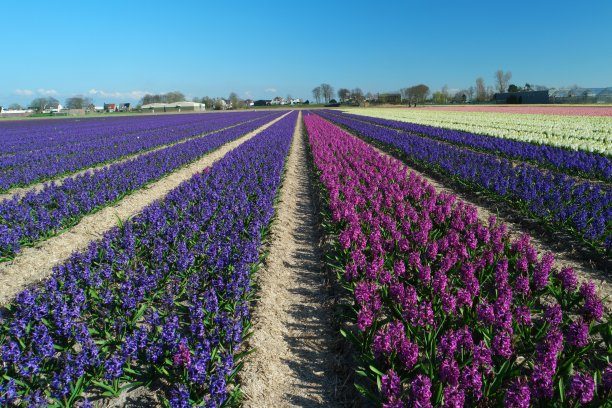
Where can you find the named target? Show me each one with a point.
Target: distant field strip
(575, 162)
(588, 133)
(37, 151)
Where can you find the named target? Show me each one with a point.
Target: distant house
(249, 102)
(524, 97)
(278, 101)
(295, 101)
(125, 107)
(262, 102)
(182, 106)
(110, 107)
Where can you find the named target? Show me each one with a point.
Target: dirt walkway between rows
(36, 263)
(585, 269)
(59, 180)
(293, 360)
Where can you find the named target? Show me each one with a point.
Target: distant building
(262, 102)
(526, 97)
(182, 106)
(110, 107)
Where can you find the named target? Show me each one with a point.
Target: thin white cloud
(116, 94)
(46, 92)
(24, 92)
(270, 90)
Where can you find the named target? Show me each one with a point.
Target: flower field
(39, 215)
(576, 110)
(449, 311)
(162, 296)
(588, 133)
(384, 291)
(583, 208)
(40, 150)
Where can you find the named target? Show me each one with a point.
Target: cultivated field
(374, 257)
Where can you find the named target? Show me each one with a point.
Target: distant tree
(327, 91)
(419, 93)
(439, 97)
(369, 96)
(490, 93)
(481, 91)
(15, 106)
(40, 104)
(343, 94)
(78, 102)
(513, 88)
(306, 102)
(172, 97)
(316, 94)
(460, 96)
(501, 80)
(219, 104)
(527, 87)
(470, 93)
(233, 98)
(208, 102)
(357, 95)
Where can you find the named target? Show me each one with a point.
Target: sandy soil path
(36, 263)
(293, 360)
(60, 179)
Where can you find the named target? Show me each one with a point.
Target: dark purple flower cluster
(34, 151)
(581, 207)
(164, 295)
(39, 215)
(443, 298)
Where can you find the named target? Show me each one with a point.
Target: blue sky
(115, 51)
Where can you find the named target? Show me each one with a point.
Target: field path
(36, 263)
(292, 364)
(59, 180)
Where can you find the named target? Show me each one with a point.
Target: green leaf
(376, 370)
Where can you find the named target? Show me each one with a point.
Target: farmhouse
(182, 106)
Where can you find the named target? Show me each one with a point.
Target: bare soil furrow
(293, 339)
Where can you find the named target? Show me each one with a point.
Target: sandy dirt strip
(60, 179)
(36, 263)
(293, 340)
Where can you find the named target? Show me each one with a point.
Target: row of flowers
(163, 297)
(34, 151)
(581, 207)
(587, 133)
(38, 215)
(577, 162)
(448, 310)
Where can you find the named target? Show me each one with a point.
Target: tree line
(421, 93)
